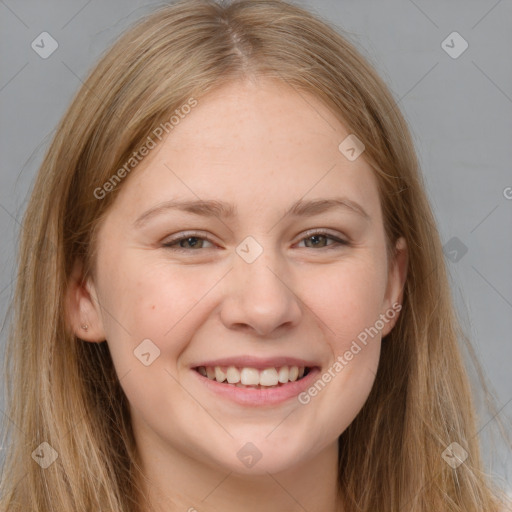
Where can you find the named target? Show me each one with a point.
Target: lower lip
(253, 396)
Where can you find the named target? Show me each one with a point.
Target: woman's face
(281, 280)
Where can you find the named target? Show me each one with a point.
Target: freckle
(153, 306)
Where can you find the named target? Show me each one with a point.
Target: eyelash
(309, 234)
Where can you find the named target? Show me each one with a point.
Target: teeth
(242, 377)
(250, 377)
(233, 375)
(220, 376)
(268, 377)
(283, 374)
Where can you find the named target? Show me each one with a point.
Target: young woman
(231, 291)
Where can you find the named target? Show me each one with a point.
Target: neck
(198, 487)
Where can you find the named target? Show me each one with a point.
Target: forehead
(252, 143)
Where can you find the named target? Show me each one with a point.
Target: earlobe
(396, 284)
(82, 308)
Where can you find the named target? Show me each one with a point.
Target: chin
(261, 455)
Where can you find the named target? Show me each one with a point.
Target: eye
(320, 239)
(196, 241)
(187, 242)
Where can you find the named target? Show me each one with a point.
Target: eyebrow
(221, 209)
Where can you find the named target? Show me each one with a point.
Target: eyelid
(325, 232)
(340, 240)
(187, 234)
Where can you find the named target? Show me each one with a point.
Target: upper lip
(257, 362)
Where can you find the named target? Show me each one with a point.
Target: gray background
(459, 110)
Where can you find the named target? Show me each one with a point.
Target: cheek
(155, 301)
(150, 314)
(340, 391)
(349, 305)
(348, 300)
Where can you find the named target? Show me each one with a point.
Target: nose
(260, 297)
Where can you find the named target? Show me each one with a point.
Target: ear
(82, 307)
(397, 275)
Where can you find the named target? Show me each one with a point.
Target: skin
(261, 146)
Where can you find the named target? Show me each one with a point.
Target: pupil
(316, 239)
(192, 241)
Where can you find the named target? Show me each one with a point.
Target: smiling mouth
(252, 378)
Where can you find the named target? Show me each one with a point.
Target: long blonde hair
(64, 391)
